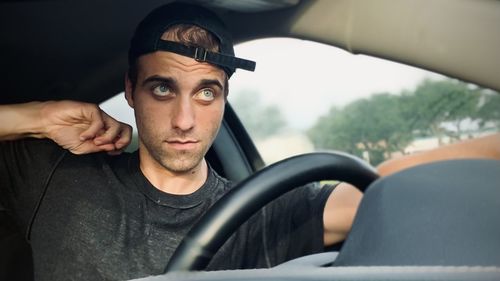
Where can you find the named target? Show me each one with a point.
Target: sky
(290, 71)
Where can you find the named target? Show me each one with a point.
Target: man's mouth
(182, 144)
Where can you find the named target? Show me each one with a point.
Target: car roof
(77, 49)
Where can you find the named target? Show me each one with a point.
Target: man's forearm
(344, 200)
(21, 120)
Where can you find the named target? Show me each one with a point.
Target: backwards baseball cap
(147, 37)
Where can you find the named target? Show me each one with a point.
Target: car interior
(431, 222)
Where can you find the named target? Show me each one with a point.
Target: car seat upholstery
(444, 213)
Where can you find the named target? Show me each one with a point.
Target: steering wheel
(241, 202)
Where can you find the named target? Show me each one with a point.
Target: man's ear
(129, 90)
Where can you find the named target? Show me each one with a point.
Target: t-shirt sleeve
(25, 166)
(294, 223)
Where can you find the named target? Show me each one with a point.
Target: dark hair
(187, 34)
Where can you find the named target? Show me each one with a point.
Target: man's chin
(182, 165)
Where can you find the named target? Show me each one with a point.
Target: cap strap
(203, 55)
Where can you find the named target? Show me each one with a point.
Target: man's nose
(184, 114)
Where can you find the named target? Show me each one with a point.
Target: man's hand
(83, 128)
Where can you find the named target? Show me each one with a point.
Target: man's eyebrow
(157, 78)
(211, 82)
(171, 81)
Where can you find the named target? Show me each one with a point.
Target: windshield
(306, 97)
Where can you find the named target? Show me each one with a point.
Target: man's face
(178, 104)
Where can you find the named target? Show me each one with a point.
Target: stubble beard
(176, 161)
(180, 161)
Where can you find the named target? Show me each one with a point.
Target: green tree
(374, 125)
(440, 108)
(489, 112)
(385, 123)
(332, 132)
(260, 120)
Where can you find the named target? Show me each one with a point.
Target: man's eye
(161, 91)
(205, 95)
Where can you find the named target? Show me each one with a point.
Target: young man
(92, 216)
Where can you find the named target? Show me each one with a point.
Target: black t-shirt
(96, 217)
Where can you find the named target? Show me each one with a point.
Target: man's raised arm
(76, 126)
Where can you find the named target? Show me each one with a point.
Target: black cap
(147, 36)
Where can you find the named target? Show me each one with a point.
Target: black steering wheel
(240, 203)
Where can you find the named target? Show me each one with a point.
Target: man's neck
(172, 182)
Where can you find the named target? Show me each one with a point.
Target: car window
(118, 108)
(306, 96)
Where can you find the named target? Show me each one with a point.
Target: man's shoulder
(27, 145)
(29, 155)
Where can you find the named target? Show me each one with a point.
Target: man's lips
(182, 143)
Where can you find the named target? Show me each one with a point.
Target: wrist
(32, 120)
(43, 112)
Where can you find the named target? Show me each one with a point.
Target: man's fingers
(93, 116)
(121, 141)
(108, 137)
(116, 133)
(124, 137)
(89, 147)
